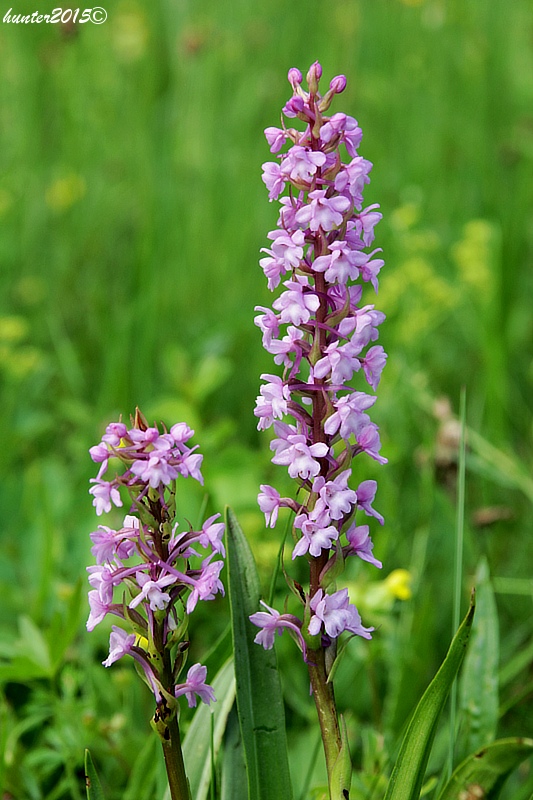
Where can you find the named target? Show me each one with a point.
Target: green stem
(326, 708)
(177, 779)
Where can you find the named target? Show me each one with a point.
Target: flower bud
(338, 84)
(295, 77)
(313, 77)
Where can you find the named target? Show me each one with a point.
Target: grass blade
(408, 773)
(458, 567)
(259, 699)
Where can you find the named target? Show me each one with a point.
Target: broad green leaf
(92, 782)
(259, 698)
(408, 773)
(197, 743)
(479, 678)
(487, 769)
(233, 765)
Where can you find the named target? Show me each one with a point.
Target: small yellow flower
(398, 583)
(379, 597)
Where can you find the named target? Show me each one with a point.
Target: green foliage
(197, 746)
(234, 775)
(410, 767)
(259, 699)
(484, 772)
(92, 781)
(479, 680)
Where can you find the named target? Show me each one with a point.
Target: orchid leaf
(408, 774)
(92, 782)
(486, 770)
(479, 677)
(197, 743)
(259, 698)
(233, 767)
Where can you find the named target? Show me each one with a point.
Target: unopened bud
(313, 77)
(295, 77)
(338, 84)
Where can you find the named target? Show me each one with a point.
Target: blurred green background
(132, 212)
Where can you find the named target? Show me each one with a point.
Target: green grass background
(132, 212)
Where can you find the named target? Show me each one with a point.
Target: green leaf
(259, 698)
(408, 773)
(33, 645)
(341, 775)
(233, 765)
(486, 770)
(479, 678)
(64, 626)
(143, 775)
(197, 743)
(92, 782)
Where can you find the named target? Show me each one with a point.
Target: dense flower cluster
(321, 333)
(152, 460)
(150, 574)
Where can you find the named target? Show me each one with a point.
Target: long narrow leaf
(259, 699)
(233, 766)
(197, 743)
(487, 769)
(408, 773)
(92, 782)
(458, 568)
(479, 679)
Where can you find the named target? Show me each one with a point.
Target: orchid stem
(177, 779)
(327, 715)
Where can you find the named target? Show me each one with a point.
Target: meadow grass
(132, 212)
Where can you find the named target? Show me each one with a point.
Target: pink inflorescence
(149, 573)
(322, 333)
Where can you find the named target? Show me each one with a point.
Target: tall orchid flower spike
(322, 334)
(149, 574)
